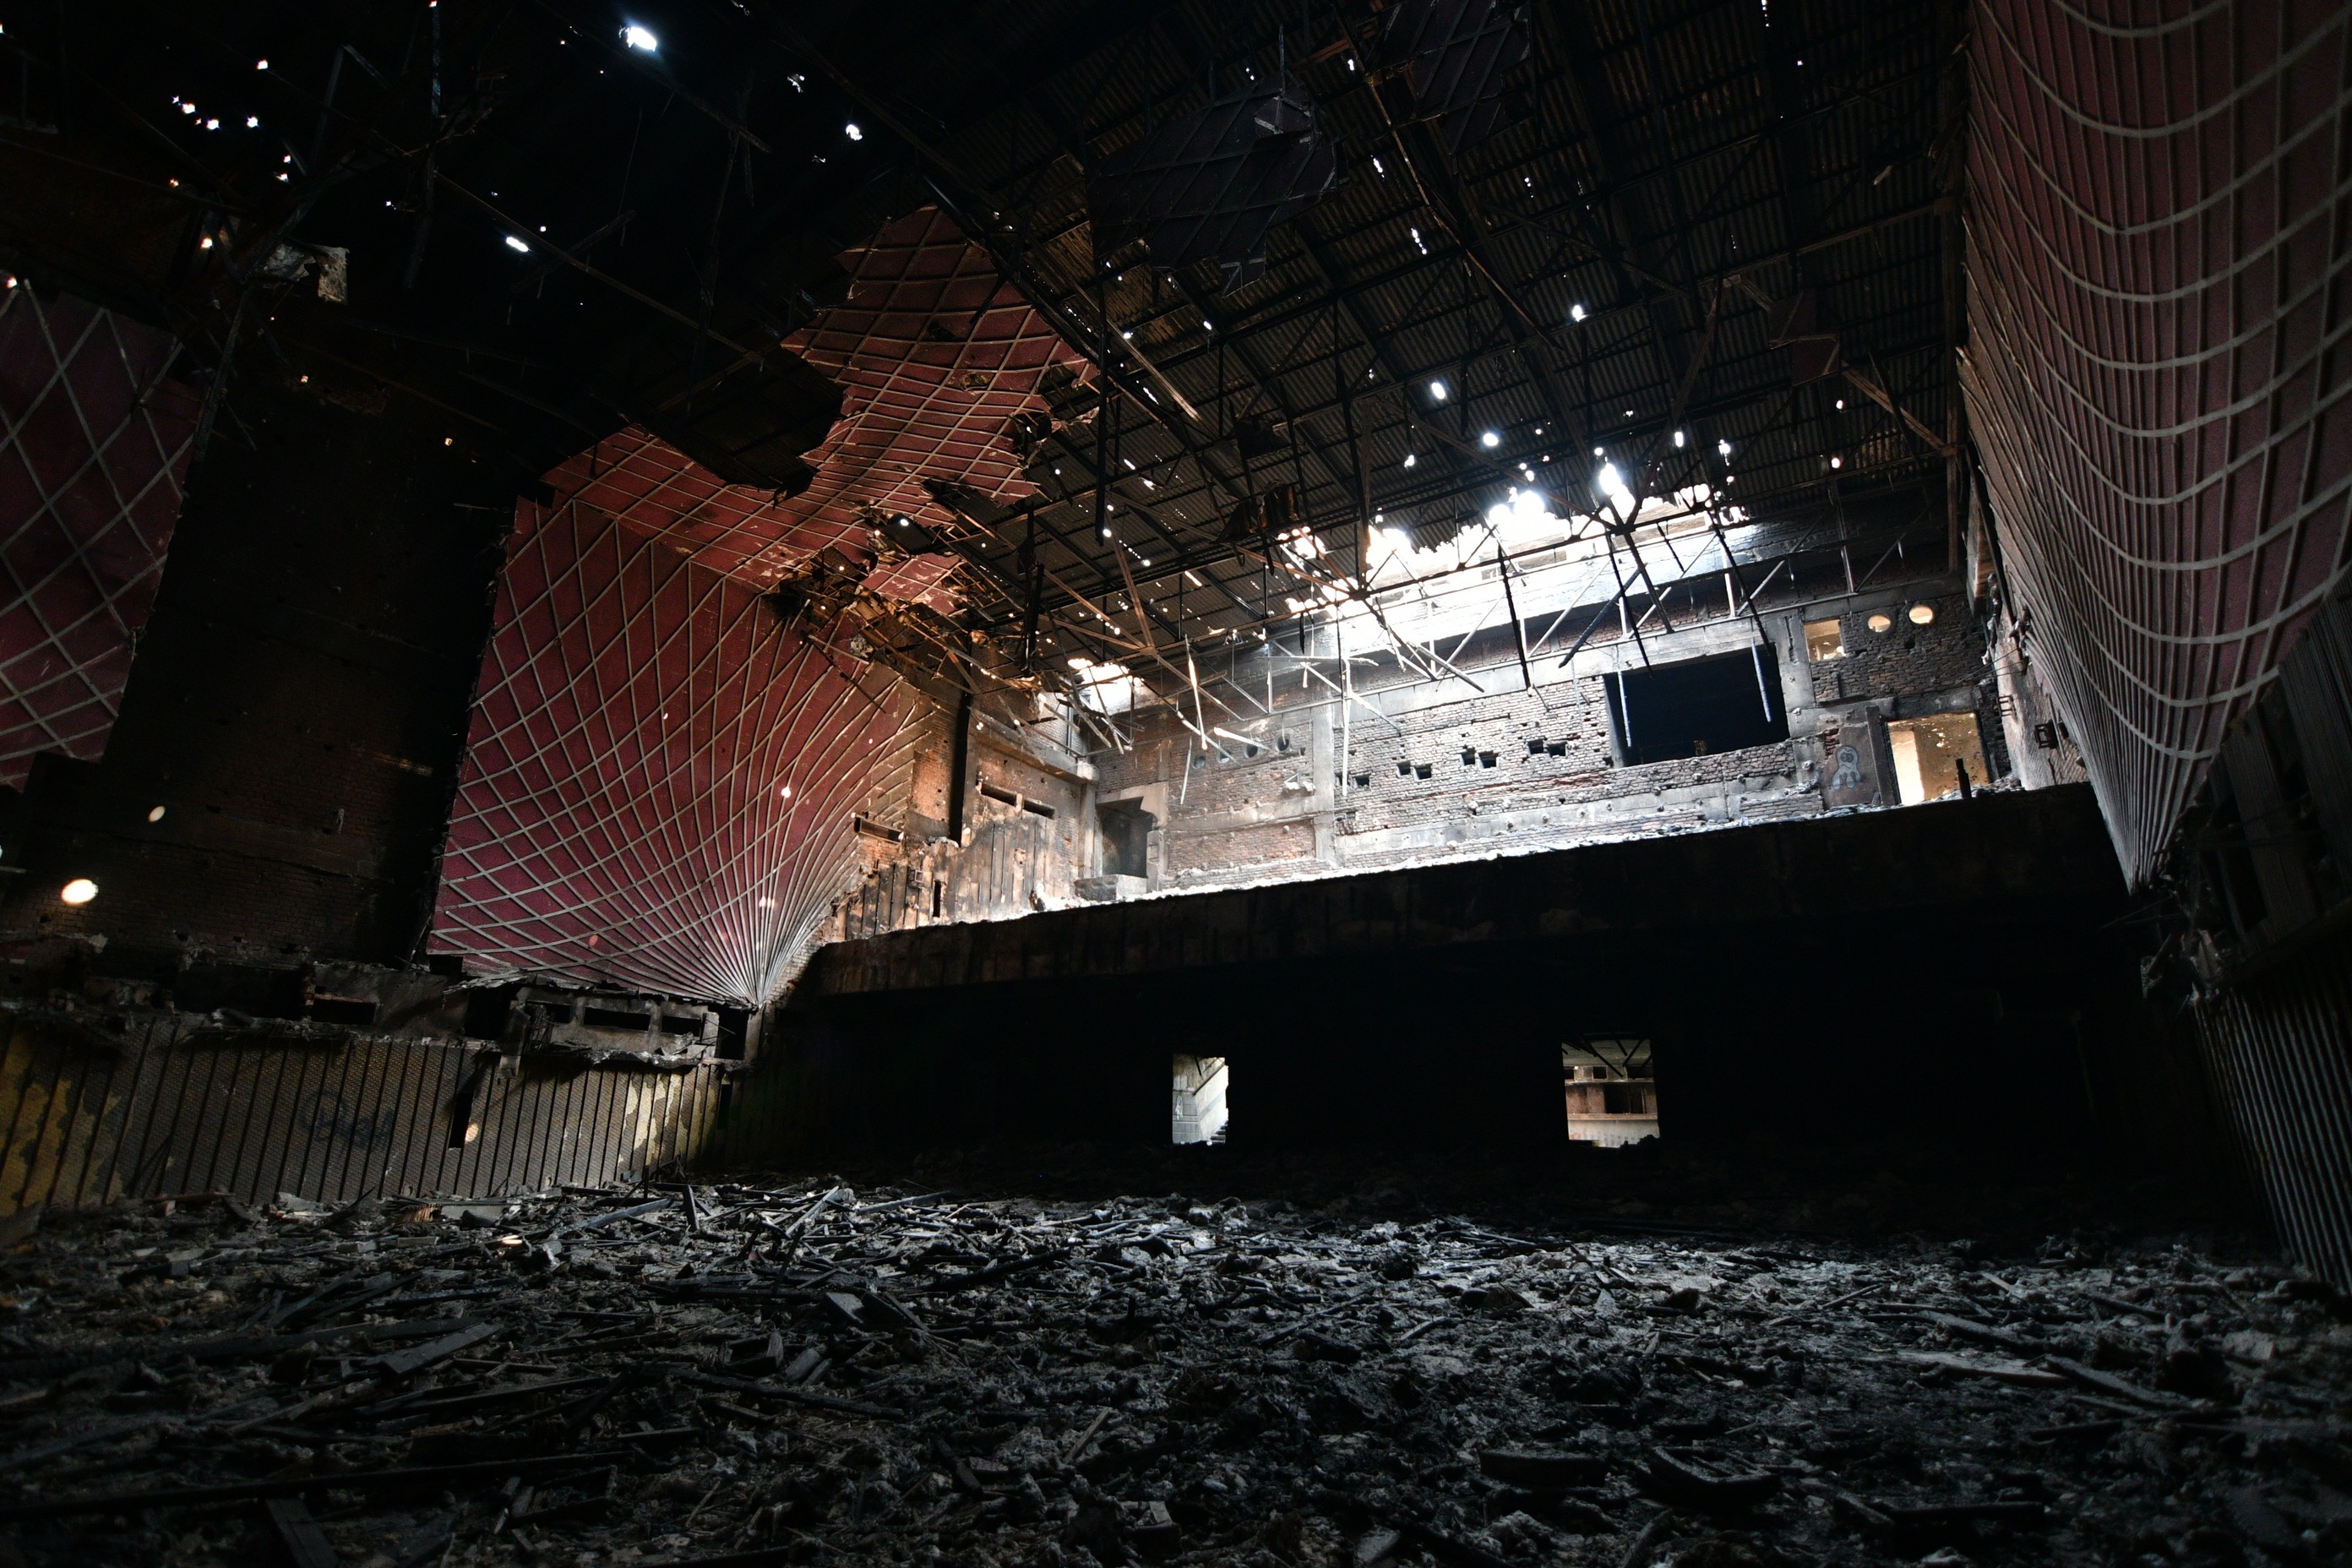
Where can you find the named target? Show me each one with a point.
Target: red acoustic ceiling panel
(660, 780)
(934, 355)
(93, 443)
(2158, 236)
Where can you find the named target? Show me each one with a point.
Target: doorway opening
(1199, 1114)
(1126, 829)
(1612, 1096)
(1930, 752)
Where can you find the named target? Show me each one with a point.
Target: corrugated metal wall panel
(2280, 1052)
(179, 1107)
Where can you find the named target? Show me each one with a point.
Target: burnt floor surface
(1617, 1358)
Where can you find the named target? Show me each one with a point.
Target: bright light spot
(80, 890)
(187, 108)
(261, 65)
(1723, 448)
(1410, 458)
(1080, 663)
(1421, 242)
(1490, 439)
(785, 793)
(1576, 313)
(1207, 327)
(516, 242)
(154, 814)
(1380, 169)
(1837, 462)
(212, 124)
(206, 243)
(852, 132)
(1612, 485)
(1840, 402)
(1437, 391)
(252, 120)
(1599, 453)
(640, 37)
(1681, 437)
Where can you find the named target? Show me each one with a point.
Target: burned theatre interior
(1232, 784)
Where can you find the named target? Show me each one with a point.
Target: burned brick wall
(1306, 779)
(281, 767)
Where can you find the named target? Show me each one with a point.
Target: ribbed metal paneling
(177, 1105)
(2279, 1051)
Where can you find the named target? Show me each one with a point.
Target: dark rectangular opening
(613, 1019)
(342, 1010)
(1125, 838)
(1036, 808)
(671, 1023)
(1724, 703)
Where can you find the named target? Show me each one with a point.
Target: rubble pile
(802, 1372)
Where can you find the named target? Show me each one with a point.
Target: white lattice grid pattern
(93, 441)
(934, 353)
(2157, 375)
(660, 780)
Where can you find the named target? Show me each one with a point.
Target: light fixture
(80, 890)
(1410, 458)
(1437, 392)
(1681, 438)
(1840, 402)
(639, 37)
(1922, 615)
(852, 132)
(1576, 313)
(1837, 462)
(154, 814)
(206, 243)
(1490, 439)
(252, 121)
(785, 793)
(1723, 448)
(261, 65)
(516, 243)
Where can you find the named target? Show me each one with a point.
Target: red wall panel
(2158, 242)
(93, 445)
(660, 780)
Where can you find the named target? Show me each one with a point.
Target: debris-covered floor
(801, 1372)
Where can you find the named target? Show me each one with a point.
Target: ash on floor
(796, 1372)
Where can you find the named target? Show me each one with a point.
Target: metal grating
(2157, 244)
(659, 781)
(93, 443)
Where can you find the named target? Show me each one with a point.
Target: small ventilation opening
(1612, 1094)
(1198, 1113)
(614, 1018)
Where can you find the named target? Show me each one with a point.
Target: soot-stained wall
(1826, 980)
(296, 704)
